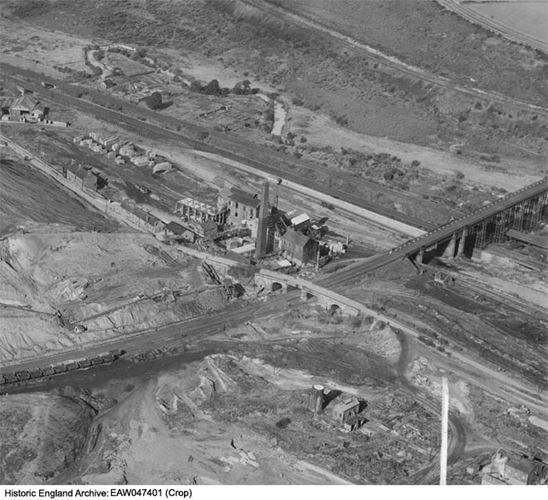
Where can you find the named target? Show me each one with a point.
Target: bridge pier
(420, 256)
(450, 250)
(462, 241)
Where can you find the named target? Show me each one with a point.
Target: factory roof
(296, 238)
(300, 219)
(175, 228)
(247, 199)
(24, 103)
(196, 204)
(346, 403)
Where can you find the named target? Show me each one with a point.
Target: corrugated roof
(6, 102)
(25, 102)
(346, 404)
(296, 238)
(299, 219)
(175, 228)
(247, 199)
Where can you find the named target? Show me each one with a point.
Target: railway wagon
(36, 373)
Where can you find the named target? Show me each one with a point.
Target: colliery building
(298, 247)
(191, 209)
(243, 208)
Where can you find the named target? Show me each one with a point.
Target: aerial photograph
(273, 242)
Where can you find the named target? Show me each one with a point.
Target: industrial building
(243, 208)
(191, 209)
(26, 107)
(507, 468)
(344, 410)
(298, 247)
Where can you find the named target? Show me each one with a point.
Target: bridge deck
(536, 240)
(442, 233)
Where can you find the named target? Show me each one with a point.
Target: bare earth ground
(325, 76)
(40, 433)
(110, 282)
(239, 416)
(193, 169)
(44, 201)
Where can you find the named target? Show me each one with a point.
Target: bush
(356, 321)
(459, 175)
(283, 423)
(242, 88)
(196, 86)
(212, 88)
(139, 53)
(154, 100)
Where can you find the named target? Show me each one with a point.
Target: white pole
(444, 425)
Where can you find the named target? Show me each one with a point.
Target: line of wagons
(36, 373)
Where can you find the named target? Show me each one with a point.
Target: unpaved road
(264, 160)
(493, 25)
(395, 63)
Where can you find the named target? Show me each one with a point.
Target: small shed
(178, 231)
(300, 221)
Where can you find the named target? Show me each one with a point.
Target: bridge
(272, 281)
(521, 210)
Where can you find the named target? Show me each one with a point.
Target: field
(327, 76)
(425, 35)
(207, 389)
(44, 201)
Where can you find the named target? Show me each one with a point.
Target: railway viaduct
(522, 210)
(272, 281)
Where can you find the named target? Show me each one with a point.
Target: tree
(196, 86)
(139, 53)
(212, 88)
(154, 100)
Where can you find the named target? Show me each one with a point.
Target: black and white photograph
(254, 246)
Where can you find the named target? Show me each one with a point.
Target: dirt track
(393, 62)
(496, 27)
(263, 159)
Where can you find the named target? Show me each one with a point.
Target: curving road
(394, 62)
(492, 25)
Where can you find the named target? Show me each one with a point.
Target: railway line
(263, 161)
(145, 340)
(357, 270)
(393, 62)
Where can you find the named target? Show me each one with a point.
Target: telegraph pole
(444, 426)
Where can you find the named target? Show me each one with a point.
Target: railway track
(393, 62)
(261, 159)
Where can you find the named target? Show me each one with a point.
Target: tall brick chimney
(260, 246)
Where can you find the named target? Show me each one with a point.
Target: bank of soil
(111, 284)
(40, 435)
